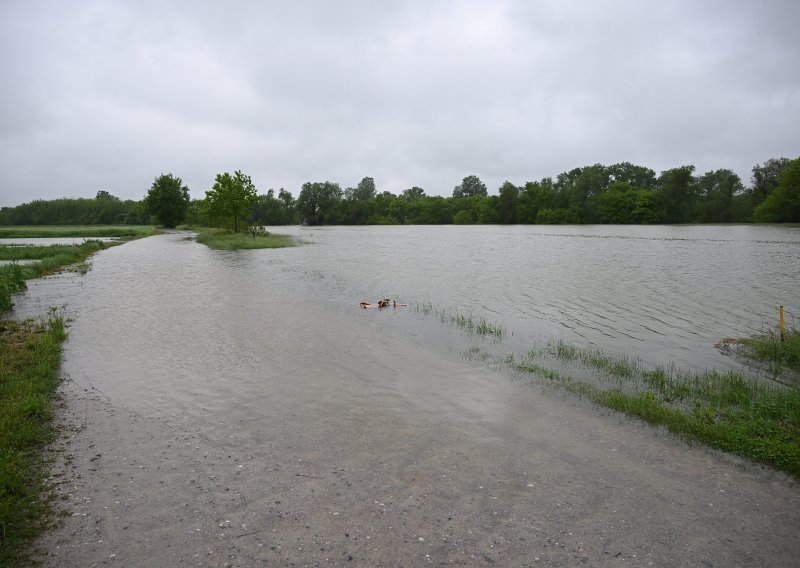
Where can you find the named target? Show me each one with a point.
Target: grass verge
(88, 231)
(30, 356)
(226, 240)
(724, 410)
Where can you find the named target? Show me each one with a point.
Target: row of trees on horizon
(617, 194)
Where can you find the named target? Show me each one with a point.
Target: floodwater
(238, 407)
(663, 293)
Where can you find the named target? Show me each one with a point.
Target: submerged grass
(13, 276)
(257, 239)
(724, 410)
(466, 322)
(88, 231)
(777, 352)
(30, 355)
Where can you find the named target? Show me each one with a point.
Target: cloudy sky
(109, 94)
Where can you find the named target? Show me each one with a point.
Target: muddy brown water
(237, 408)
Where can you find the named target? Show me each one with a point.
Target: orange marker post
(781, 325)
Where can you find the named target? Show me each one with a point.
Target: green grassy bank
(226, 240)
(30, 355)
(86, 231)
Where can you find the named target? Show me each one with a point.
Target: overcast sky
(108, 95)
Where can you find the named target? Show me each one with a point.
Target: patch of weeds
(770, 348)
(30, 356)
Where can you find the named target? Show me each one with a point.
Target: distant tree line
(617, 194)
(104, 209)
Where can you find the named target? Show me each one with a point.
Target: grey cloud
(109, 95)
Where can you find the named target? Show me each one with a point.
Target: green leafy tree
(474, 210)
(413, 193)
(622, 204)
(717, 191)
(359, 202)
(557, 216)
(167, 200)
(783, 204)
(677, 196)
(317, 202)
(269, 210)
(534, 196)
(637, 176)
(230, 202)
(471, 186)
(766, 178)
(389, 210)
(507, 203)
(288, 203)
(364, 191)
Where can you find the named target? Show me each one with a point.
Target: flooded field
(665, 293)
(239, 408)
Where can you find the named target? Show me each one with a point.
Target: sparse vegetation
(466, 322)
(724, 410)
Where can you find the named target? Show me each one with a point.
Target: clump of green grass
(777, 352)
(30, 355)
(88, 231)
(227, 240)
(725, 410)
(466, 322)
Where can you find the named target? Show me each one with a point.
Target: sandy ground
(371, 446)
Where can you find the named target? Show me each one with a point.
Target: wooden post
(780, 324)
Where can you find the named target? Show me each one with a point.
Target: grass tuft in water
(778, 353)
(30, 356)
(256, 239)
(466, 322)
